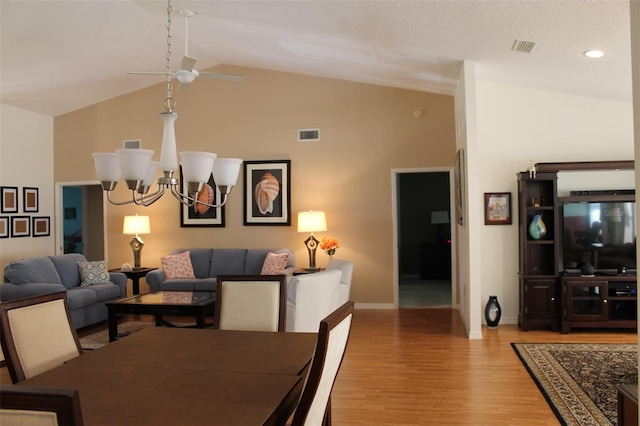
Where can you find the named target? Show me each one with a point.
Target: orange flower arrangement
(329, 245)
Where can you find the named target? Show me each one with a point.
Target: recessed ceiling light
(594, 54)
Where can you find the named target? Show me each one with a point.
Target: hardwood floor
(416, 367)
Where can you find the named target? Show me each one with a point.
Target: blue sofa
(50, 274)
(208, 263)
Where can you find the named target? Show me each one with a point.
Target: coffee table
(196, 304)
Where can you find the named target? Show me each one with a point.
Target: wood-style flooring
(416, 367)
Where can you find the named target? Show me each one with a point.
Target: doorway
(422, 228)
(81, 224)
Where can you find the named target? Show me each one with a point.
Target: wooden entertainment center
(549, 296)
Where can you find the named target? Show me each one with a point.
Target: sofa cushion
(67, 267)
(32, 270)
(201, 262)
(227, 262)
(106, 292)
(92, 273)
(79, 297)
(274, 263)
(177, 266)
(207, 284)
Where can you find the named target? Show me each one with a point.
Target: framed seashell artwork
(202, 215)
(267, 196)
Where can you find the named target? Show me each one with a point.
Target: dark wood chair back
(251, 303)
(314, 407)
(37, 334)
(26, 404)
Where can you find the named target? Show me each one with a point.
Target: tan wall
(366, 131)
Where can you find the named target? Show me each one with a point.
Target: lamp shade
(312, 221)
(107, 166)
(134, 163)
(136, 225)
(226, 171)
(197, 166)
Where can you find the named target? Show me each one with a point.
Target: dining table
(177, 376)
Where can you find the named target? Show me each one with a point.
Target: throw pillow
(274, 263)
(93, 273)
(177, 266)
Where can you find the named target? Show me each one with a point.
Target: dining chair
(344, 289)
(251, 303)
(26, 405)
(37, 334)
(314, 407)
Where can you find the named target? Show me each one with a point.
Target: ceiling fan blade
(188, 63)
(221, 76)
(146, 73)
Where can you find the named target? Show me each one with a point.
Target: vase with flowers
(329, 245)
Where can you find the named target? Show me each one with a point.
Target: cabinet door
(540, 298)
(585, 300)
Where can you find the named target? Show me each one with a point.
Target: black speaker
(587, 269)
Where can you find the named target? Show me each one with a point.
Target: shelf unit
(539, 258)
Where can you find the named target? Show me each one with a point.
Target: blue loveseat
(50, 274)
(208, 263)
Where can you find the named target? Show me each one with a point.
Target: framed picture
(201, 215)
(41, 226)
(458, 171)
(267, 192)
(4, 227)
(9, 200)
(29, 200)
(497, 208)
(20, 226)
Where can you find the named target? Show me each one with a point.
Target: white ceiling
(58, 56)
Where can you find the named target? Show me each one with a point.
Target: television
(601, 233)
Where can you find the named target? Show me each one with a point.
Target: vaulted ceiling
(58, 56)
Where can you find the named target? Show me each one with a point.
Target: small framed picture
(9, 200)
(201, 215)
(497, 208)
(4, 227)
(267, 194)
(20, 226)
(29, 200)
(41, 226)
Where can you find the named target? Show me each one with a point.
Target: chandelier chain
(169, 103)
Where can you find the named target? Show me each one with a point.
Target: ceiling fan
(187, 72)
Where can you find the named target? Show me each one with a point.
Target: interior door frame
(396, 248)
(60, 214)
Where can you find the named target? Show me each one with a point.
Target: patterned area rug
(101, 338)
(579, 380)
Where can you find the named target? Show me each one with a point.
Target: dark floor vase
(492, 312)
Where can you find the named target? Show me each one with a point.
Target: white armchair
(310, 298)
(344, 289)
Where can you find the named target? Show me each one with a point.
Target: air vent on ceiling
(523, 46)
(308, 135)
(132, 143)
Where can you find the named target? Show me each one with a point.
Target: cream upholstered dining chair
(314, 408)
(344, 289)
(310, 298)
(251, 303)
(26, 405)
(37, 334)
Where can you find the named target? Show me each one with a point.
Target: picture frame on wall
(4, 227)
(41, 226)
(20, 226)
(30, 201)
(201, 215)
(8, 199)
(497, 208)
(267, 192)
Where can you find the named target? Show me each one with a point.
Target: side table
(303, 271)
(134, 275)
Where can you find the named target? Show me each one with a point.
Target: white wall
(516, 125)
(26, 159)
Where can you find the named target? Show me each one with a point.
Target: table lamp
(136, 225)
(312, 221)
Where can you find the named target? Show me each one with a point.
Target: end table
(134, 275)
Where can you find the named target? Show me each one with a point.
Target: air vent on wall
(308, 135)
(523, 46)
(132, 143)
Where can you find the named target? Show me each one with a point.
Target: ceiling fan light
(226, 170)
(196, 166)
(186, 77)
(134, 163)
(107, 166)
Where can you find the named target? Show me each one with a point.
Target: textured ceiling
(58, 56)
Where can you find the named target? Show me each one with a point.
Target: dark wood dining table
(169, 376)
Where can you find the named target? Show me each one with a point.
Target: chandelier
(138, 170)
